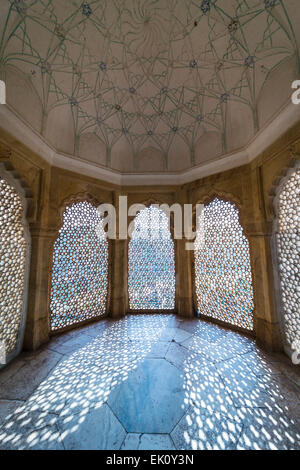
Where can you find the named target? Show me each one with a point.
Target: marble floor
(150, 382)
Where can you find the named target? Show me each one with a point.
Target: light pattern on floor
(150, 381)
(222, 266)
(80, 267)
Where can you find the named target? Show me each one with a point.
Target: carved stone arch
(147, 203)
(151, 200)
(72, 199)
(224, 196)
(8, 173)
(274, 196)
(67, 202)
(156, 201)
(206, 199)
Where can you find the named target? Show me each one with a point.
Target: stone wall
(251, 187)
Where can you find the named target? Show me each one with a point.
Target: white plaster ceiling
(139, 86)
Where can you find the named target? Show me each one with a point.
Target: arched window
(222, 266)
(288, 249)
(14, 264)
(151, 273)
(80, 268)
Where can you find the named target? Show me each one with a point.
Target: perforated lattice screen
(12, 265)
(151, 274)
(80, 267)
(288, 243)
(222, 266)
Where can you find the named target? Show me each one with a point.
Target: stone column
(119, 278)
(37, 329)
(183, 264)
(258, 229)
(267, 324)
(119, 270)
(184, 279)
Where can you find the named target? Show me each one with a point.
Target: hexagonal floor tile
(99, 429)
(151, 400)
(201, 430)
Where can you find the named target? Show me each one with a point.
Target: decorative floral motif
(205, 6)
(270, 3)
(45, 67)
(102, 66)
(86, 9)
(73, 101)
(224, 97)
(20, 6)
(249, 61)
(233, 26)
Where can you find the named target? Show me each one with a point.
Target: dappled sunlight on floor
(150, 380)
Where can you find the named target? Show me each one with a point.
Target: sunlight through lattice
(288, 243)
(151, 277)
(80, 267)
(222, 267)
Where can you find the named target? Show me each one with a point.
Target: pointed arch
(80, 266)
(151, 262)
(222, 268)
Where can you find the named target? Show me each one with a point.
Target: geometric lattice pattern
(288, 246)
(12, 265)
(150, 72)
(222, 266)
(151, 272)
(80, 267)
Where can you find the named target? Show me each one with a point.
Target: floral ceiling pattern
(150, 72)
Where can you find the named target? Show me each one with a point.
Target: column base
(268, 335)
(185, 307)
(36, 334)
(118, 309)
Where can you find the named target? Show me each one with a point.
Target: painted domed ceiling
(148, 86)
